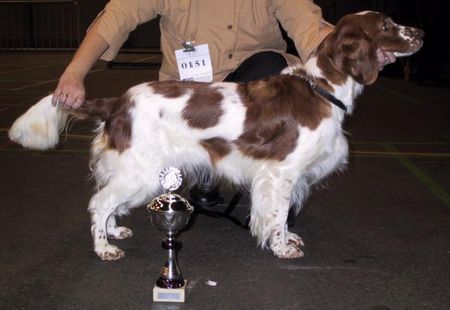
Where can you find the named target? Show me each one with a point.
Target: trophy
(170, 214)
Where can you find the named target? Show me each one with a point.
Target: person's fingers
(76, 98)
(62, 99)
(381, 57)
(77, 103)
(69, 96)
(55, 98)
(384, 58)
(80, 99)
(390, 57)
(70, 92)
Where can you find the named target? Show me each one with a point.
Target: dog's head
(352, 47)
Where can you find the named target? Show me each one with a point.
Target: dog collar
(321, 91)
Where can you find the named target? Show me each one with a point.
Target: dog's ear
(357, 54)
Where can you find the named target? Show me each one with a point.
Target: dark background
(61, 24)
(412, 11)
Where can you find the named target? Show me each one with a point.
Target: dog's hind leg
(117, 232)
(271, 195)
(102, 207)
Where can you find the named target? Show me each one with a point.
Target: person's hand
(384, 58)
(70, 92)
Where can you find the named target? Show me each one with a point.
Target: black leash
(322, 91)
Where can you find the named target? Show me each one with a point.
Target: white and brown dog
(278, 136)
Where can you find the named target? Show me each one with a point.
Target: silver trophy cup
(170, 214)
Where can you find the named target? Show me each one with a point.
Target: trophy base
(169, 294)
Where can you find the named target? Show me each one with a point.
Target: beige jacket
(233, 29)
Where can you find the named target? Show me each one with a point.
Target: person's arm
(103, 40)
(70, 91)
(302, 19)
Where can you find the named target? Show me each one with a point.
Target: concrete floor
(377, 236)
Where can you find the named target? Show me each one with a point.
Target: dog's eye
(387, 24)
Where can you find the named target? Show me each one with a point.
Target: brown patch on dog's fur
(217, 148)
(203, 108)
(324, 84)
(330, 62)
(115, 112)
(276, 106)
(118, 126)
(348, 52)
(169, 89)
(96, 108)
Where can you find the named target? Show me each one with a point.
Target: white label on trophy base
(169, 294)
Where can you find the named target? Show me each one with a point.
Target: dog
(278, 136)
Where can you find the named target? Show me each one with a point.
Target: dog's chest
(325, 148)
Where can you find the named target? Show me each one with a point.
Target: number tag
(195, 65)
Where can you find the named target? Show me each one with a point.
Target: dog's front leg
(271, 195)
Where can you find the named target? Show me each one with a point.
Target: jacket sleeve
(119, 18)
(303, 21)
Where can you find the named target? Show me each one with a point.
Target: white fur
(39, 127)
(366, 12)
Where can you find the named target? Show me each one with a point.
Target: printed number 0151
(193, 64)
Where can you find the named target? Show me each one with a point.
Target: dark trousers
(257, 67)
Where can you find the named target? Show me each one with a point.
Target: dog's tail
(39, 127)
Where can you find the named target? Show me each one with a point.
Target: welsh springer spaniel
(278, 136)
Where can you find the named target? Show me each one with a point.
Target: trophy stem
(170, 276)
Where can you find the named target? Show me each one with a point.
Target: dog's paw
(119, 233)
(109, 252)
(289, 248)
(294, 239)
